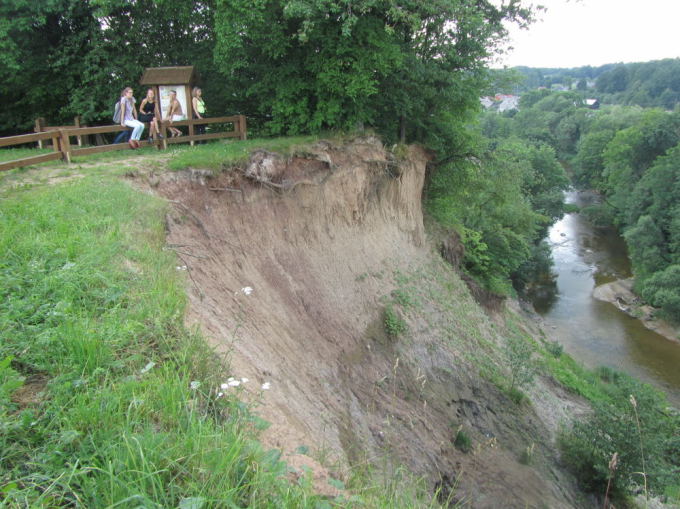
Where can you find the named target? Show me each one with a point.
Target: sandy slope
(326, 240)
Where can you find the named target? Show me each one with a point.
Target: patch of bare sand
(620, 294)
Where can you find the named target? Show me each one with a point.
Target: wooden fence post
(65, 145)
(164, 132)
(39, 127)
(242, 127)
(56, 141)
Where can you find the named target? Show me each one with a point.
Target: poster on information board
(164, 92)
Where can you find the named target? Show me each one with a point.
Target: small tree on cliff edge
(409, 68)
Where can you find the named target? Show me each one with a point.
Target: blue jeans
(122, 136)
(137, 128)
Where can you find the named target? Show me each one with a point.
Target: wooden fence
(32, 138)
(41, 127)
(61, 139)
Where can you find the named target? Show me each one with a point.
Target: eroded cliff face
(327, 241)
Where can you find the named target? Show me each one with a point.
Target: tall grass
(219, 154)
(88, 299)
(106, 399)
(10, 154)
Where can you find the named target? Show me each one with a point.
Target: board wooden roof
(168, 75)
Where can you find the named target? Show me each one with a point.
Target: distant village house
(501, 102)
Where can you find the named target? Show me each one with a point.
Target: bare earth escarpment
(327, 240)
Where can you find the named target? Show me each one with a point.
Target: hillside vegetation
(629, 154)
(654, 84)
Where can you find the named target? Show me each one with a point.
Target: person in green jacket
(198, 107)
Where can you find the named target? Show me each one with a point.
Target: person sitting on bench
(128, 117)
(149, 112)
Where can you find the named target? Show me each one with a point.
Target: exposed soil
(31, 393)
(290, 265)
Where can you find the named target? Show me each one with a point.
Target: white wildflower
(244, 380)
(265, 386)
(147, 367)
(234, 383)
(181, 267)
(230, 379)
(247, 290)
(224, 386)
(220, 394)
(195, 384)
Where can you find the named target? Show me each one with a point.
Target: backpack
(116, 113)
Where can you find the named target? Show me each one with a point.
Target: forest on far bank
(631, 155)
(647, 84)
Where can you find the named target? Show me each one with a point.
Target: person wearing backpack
(128, 117)
(124, 135)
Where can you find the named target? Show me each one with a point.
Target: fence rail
(31, 138)
(41, 127)
(61, 139)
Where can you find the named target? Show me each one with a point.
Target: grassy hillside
(106, 399)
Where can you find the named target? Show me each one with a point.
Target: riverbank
(620, 294)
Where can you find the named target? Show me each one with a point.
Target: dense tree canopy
(410, 68)
(293, 65)
(72, 57)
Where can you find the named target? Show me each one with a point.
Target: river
(594, 332)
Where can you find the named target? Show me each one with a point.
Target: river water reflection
(594, 332)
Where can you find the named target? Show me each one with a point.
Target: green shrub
(600, 215)
(516, 395)
(661, 290)
(644, 434)
(462, 441)
(554, 348)
(607, 374)
(404, 298)
(518, 352)
(394, 323)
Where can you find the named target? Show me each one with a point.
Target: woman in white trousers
(128, 117)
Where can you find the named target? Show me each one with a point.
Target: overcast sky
(573, 33)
